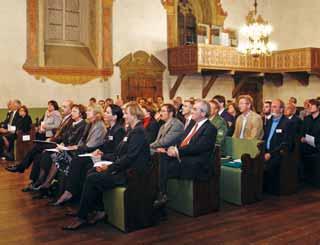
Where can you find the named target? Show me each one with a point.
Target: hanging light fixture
(257, 32)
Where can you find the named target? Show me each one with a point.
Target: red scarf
(146, 122)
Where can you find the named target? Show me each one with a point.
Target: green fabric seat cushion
(114, 205)
(230, 185)
(233, 164)
(180, 195)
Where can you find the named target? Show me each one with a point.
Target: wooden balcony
(198, 58)
(218, 60)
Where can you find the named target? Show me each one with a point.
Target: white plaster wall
(142, 25)
(15, 82)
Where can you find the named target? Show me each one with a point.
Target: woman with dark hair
(51, 121)
(132, 153)
(45, 160)
(233, 110)
(79, 166)
(92, 136)
(150, 124)
(24, 123)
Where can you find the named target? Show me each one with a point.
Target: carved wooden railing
(196, 58)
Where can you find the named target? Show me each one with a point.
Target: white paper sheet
(99, 164)
(310, 140)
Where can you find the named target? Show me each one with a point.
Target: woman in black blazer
(150, 124)
(132, 153)
(80, 165)
(51, 162)
(24, 123)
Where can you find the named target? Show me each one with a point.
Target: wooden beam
(302, 77)
(176, 85)
(275, 78)
(239, 82)
(207, 87)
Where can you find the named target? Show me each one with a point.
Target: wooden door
(141, 87)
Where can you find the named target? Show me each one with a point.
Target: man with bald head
(278, 134)
(191, 158)
(61, 132)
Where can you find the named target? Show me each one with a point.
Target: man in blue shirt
(277, 135)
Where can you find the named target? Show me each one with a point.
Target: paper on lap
(99, 164)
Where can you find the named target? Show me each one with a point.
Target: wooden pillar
(32, 36)
(107, 34)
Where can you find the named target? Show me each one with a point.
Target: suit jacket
(132, 152)
(227, 117)
(24, 124)
(113, 138)
(152, 130)
(93, 136)
(15, 119)
(283, 135)
(63, 129)
(196, 157)
(169, 134)
(253, 128)
(297, 125)
(75, 133)
(189, 126)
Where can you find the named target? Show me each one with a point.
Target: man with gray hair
(191, 158)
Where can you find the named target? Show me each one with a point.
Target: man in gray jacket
(170, 132)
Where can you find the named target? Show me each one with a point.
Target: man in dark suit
(9, 127)
(278, 134)
(191, 158)
(186, 112)
(290, 113)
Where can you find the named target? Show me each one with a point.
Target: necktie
(188, 138)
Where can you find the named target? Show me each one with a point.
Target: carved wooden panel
(141, 76)
(186, 59)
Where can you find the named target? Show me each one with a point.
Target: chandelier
(257, 32)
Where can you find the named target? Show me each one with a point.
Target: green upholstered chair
(130, 207)
(194, 197)
(242, 184)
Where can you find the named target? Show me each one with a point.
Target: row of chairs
(130, 208)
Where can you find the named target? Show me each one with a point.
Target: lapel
(279, 126)
(199, 131)
(167, 127)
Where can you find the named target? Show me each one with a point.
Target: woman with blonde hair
(132, 153)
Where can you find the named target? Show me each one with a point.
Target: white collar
(220, 112)
(201, 122)
(76, 123)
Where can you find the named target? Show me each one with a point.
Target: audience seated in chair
(61, 132)
(186, 112)
(132, 153)
(191, 158)
(86, 137)
(170, 132)
(249, 124)
(8, 129)
(149, 123)
(79, 166)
